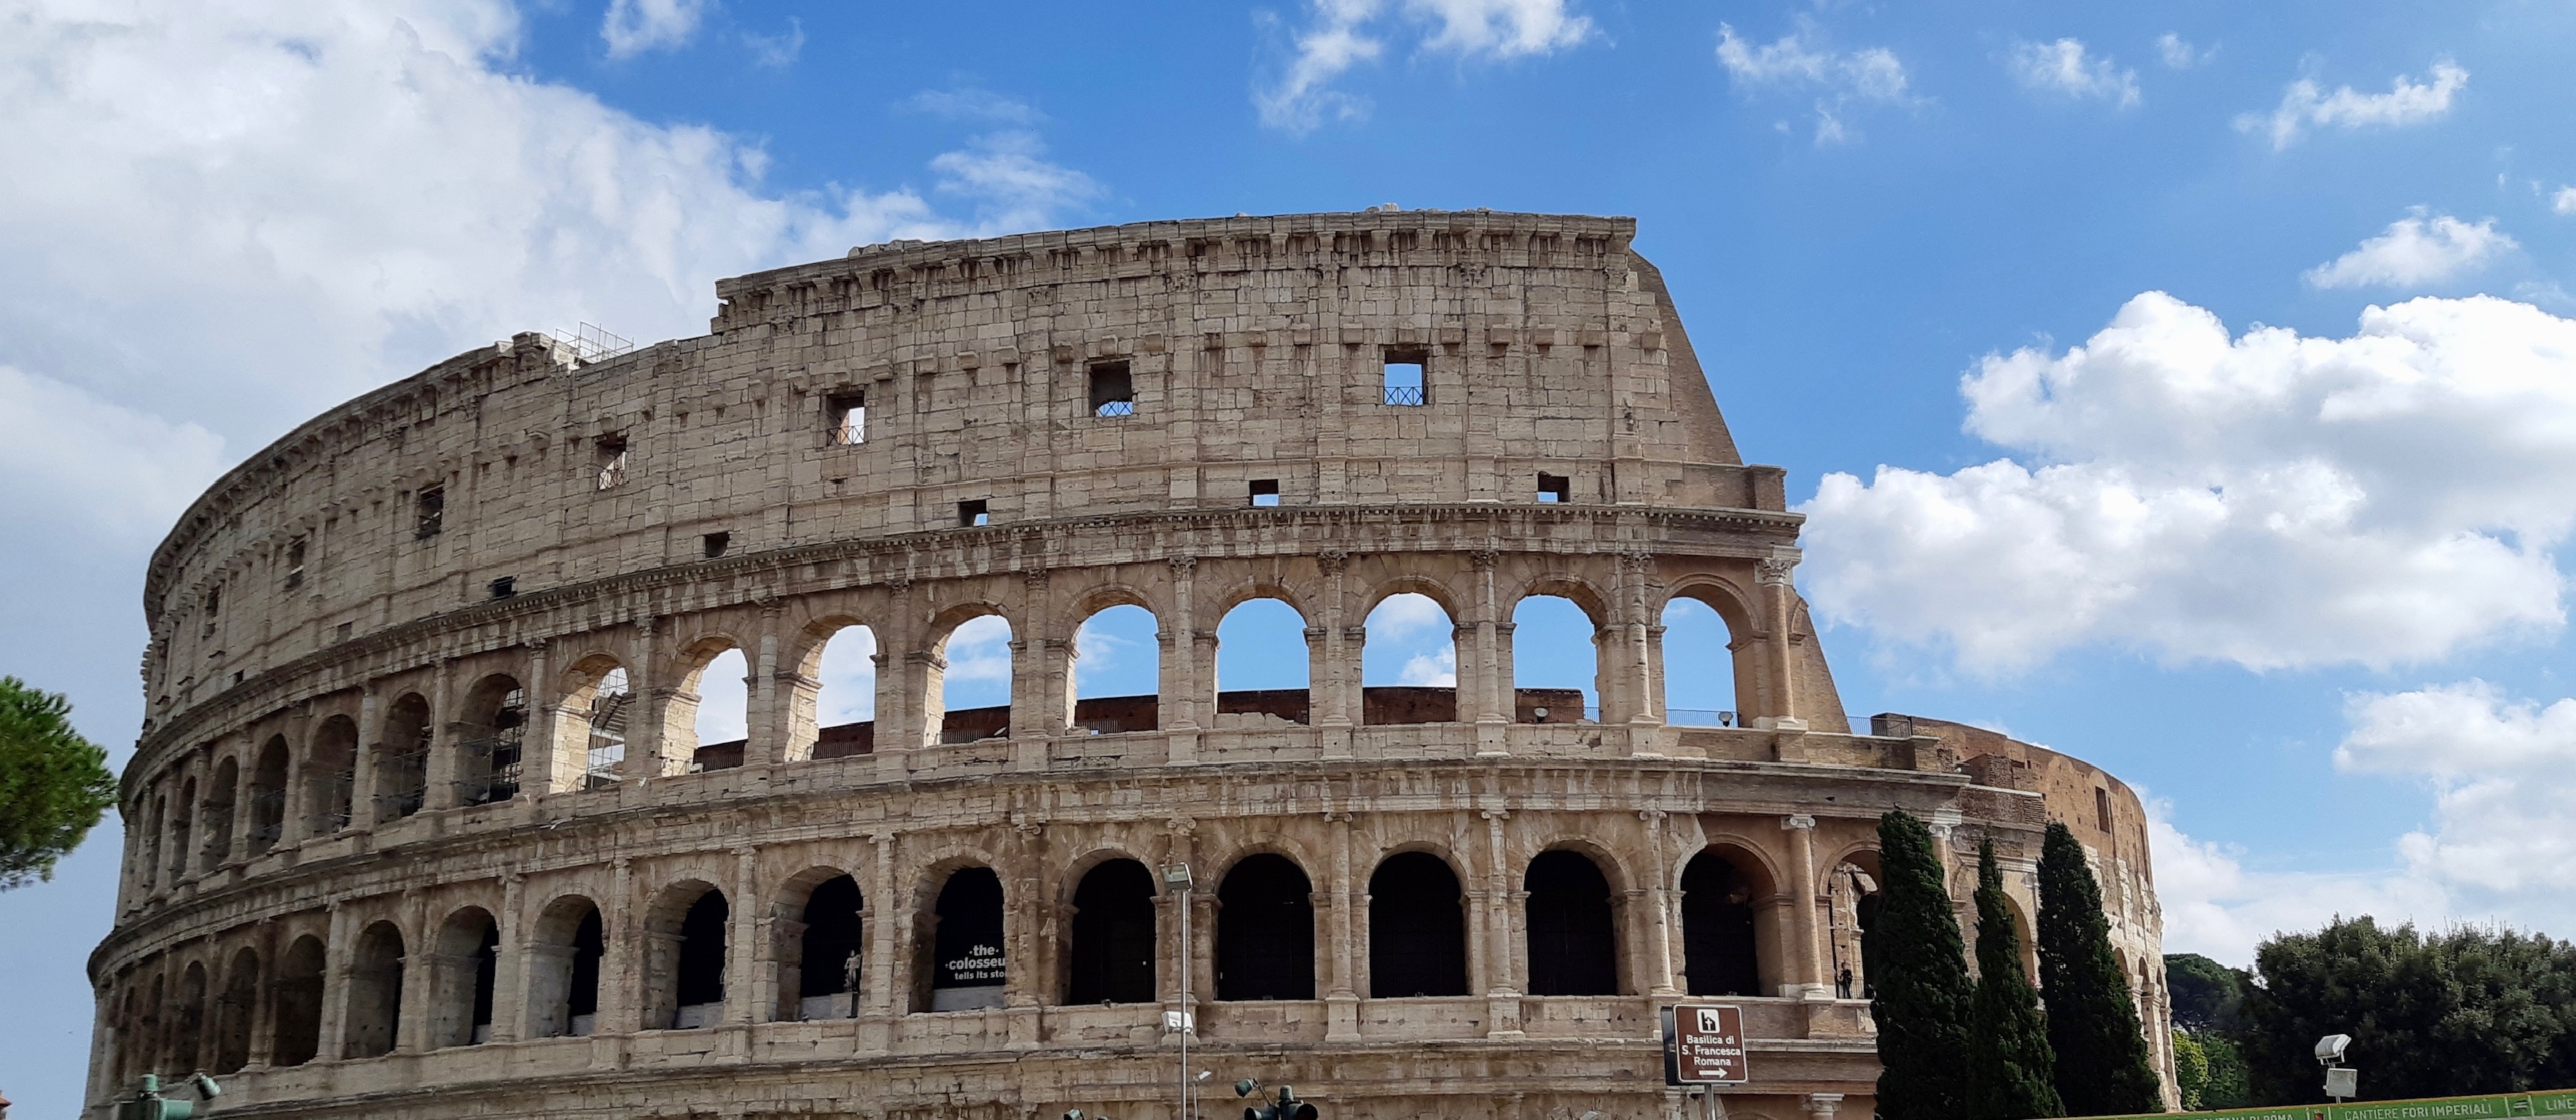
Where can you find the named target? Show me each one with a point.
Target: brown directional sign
(1704, 1045)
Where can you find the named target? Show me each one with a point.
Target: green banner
(2553, 1104)
(2440, 1108)
(2501, 1106)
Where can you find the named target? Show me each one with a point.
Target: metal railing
(1700, 717)
(1409, 396)
(1115, 408)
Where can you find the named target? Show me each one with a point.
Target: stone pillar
(767, 726)
(1178, 693)
(1801, 956)
(1779, 661)
(439, 772)
(1333, 692)
(1491, 661)
(1821, 1106)
(362, 773)
(263, 1000)
(1657, 976)
(644, 720)
(510, 963)
(900, 726)
(336, 952)
(1341, 998)
(888, 914)
(423, 967)
(621, 976)
(1022, 988)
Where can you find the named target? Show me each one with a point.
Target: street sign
(1704, 1045)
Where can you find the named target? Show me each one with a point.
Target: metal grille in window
(1409, 395)
(268, 819)
(431, 508)
(612, 462)
(331, 803)
(1113, 390)
(496, 756)
(407, 779)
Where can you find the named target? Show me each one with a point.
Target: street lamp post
(1176, 877)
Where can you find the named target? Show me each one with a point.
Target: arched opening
(1555, 662)
(182, 817)
(967, 966)
(845, 704)
(1409, 662)
(1573, 943)
(831, 951)
(1852, 901)
(402, 759)
(1112, 958)
(722, 723)
(563, 969)
(1117, 671)
(493, 740)
(1417, 929)
(375, 992)
(606, 707)
(974, 686)
(233, 1012)
(222, 795)
(1721, 951)
(1265, 930)
(329, 772)
(150, 872)
(188, 1023)
(295, 1011)
(689, 938)
(1697, 660)
(1262, 664)
(268, 797)
(149, 1041)
(464, 966)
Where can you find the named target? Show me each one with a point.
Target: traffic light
(149, 1104)
(1287, 1107)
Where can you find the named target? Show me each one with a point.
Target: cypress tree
(2102, 1063)
(2010, 1065)
(1921, 990)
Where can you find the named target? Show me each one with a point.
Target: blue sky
(2303, 585)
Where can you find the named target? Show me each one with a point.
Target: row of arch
(500, 740)
(1263, 947)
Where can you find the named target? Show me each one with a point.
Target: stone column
(510, 963)
(1821, 1106)
(1491, 661)
(1333, 691)
(888, 914)
(439, 772)
(746, 981)
(900, 726)
(767, 729)
(645, 715)
(334, 1040)
(362, 774)
(1658, 973)
(1179, 692)
(1341, 998)
(1801, 954)
(622, 945)
(1022, 989)
(423, 967)
(1778, 605)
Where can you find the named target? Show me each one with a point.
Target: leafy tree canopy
(2010, 1064)
(1920, 989)
(2103, 1068)
(54, 785)
(2207, 995)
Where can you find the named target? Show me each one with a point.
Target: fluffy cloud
(2268, 499)
(1842, 80)
(1345, 33)
(849, 676)
(2066, 67)
(74, 459)
(633, 27)
(2564, 202)
(2306, 105)
(2415, 251)
(1411, 641)
(2216, 906)
(2177, 53)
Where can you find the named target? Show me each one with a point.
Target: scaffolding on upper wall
(589, 343)
(607, 747)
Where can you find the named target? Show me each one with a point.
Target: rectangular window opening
(1555, 488)
(342, 634)
(611, 459)
(848, 413)
(295, 564)
(505, 587)
(2102, 807)
(1265, 491)
(974, 513)
(716, 543)
(429, 513)
(1113, 390)
(1404, 385)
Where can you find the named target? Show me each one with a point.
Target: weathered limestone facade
(398, 842)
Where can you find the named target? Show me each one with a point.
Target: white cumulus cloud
(2306, 105)
(2267, 499)
(2415, 251)
(1343, 34)
(1841, 80)
(2216, 906)
(2178, 53)
(633, 27)
(2564, 202)
(2066, 67)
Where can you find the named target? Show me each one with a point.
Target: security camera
(2330, 1048)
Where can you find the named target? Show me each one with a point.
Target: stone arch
(597, 711)
(1571, 926)
(1417, 926)
(1731, 912)
(949, 723)
(1692, 695)
(1851, 893)
(964, 941)
(295, 1004)
(832, 713)
(234, 1011)
(491, 740)
(464, 963)
(1411, 655)
(684, 976)
(222, 799)
(188, 1021)
(1111, 624)
(1554, 614)
(706, 718)
(402, 759)
(183, 815)
(1265, 929)
(375, 991)
(149, 873)
(1264, 662)
(1110, 954)
(268, 796)
(330, 772)
(821, 944)
(563, 967)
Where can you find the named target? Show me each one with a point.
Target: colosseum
(421, 823)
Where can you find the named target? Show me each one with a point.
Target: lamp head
(2330, 1048)
(206, 1087)
(1245, 1087)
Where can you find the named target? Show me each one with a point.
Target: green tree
(2102, 1063)
(2207, 995)
(2226, 1085)
(2191, 1070)
(54, 785)
(2009, 1064)
(1920, 991)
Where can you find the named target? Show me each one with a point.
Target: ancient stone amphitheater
(420, 825)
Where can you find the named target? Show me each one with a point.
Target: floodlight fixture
(2330, 1048)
